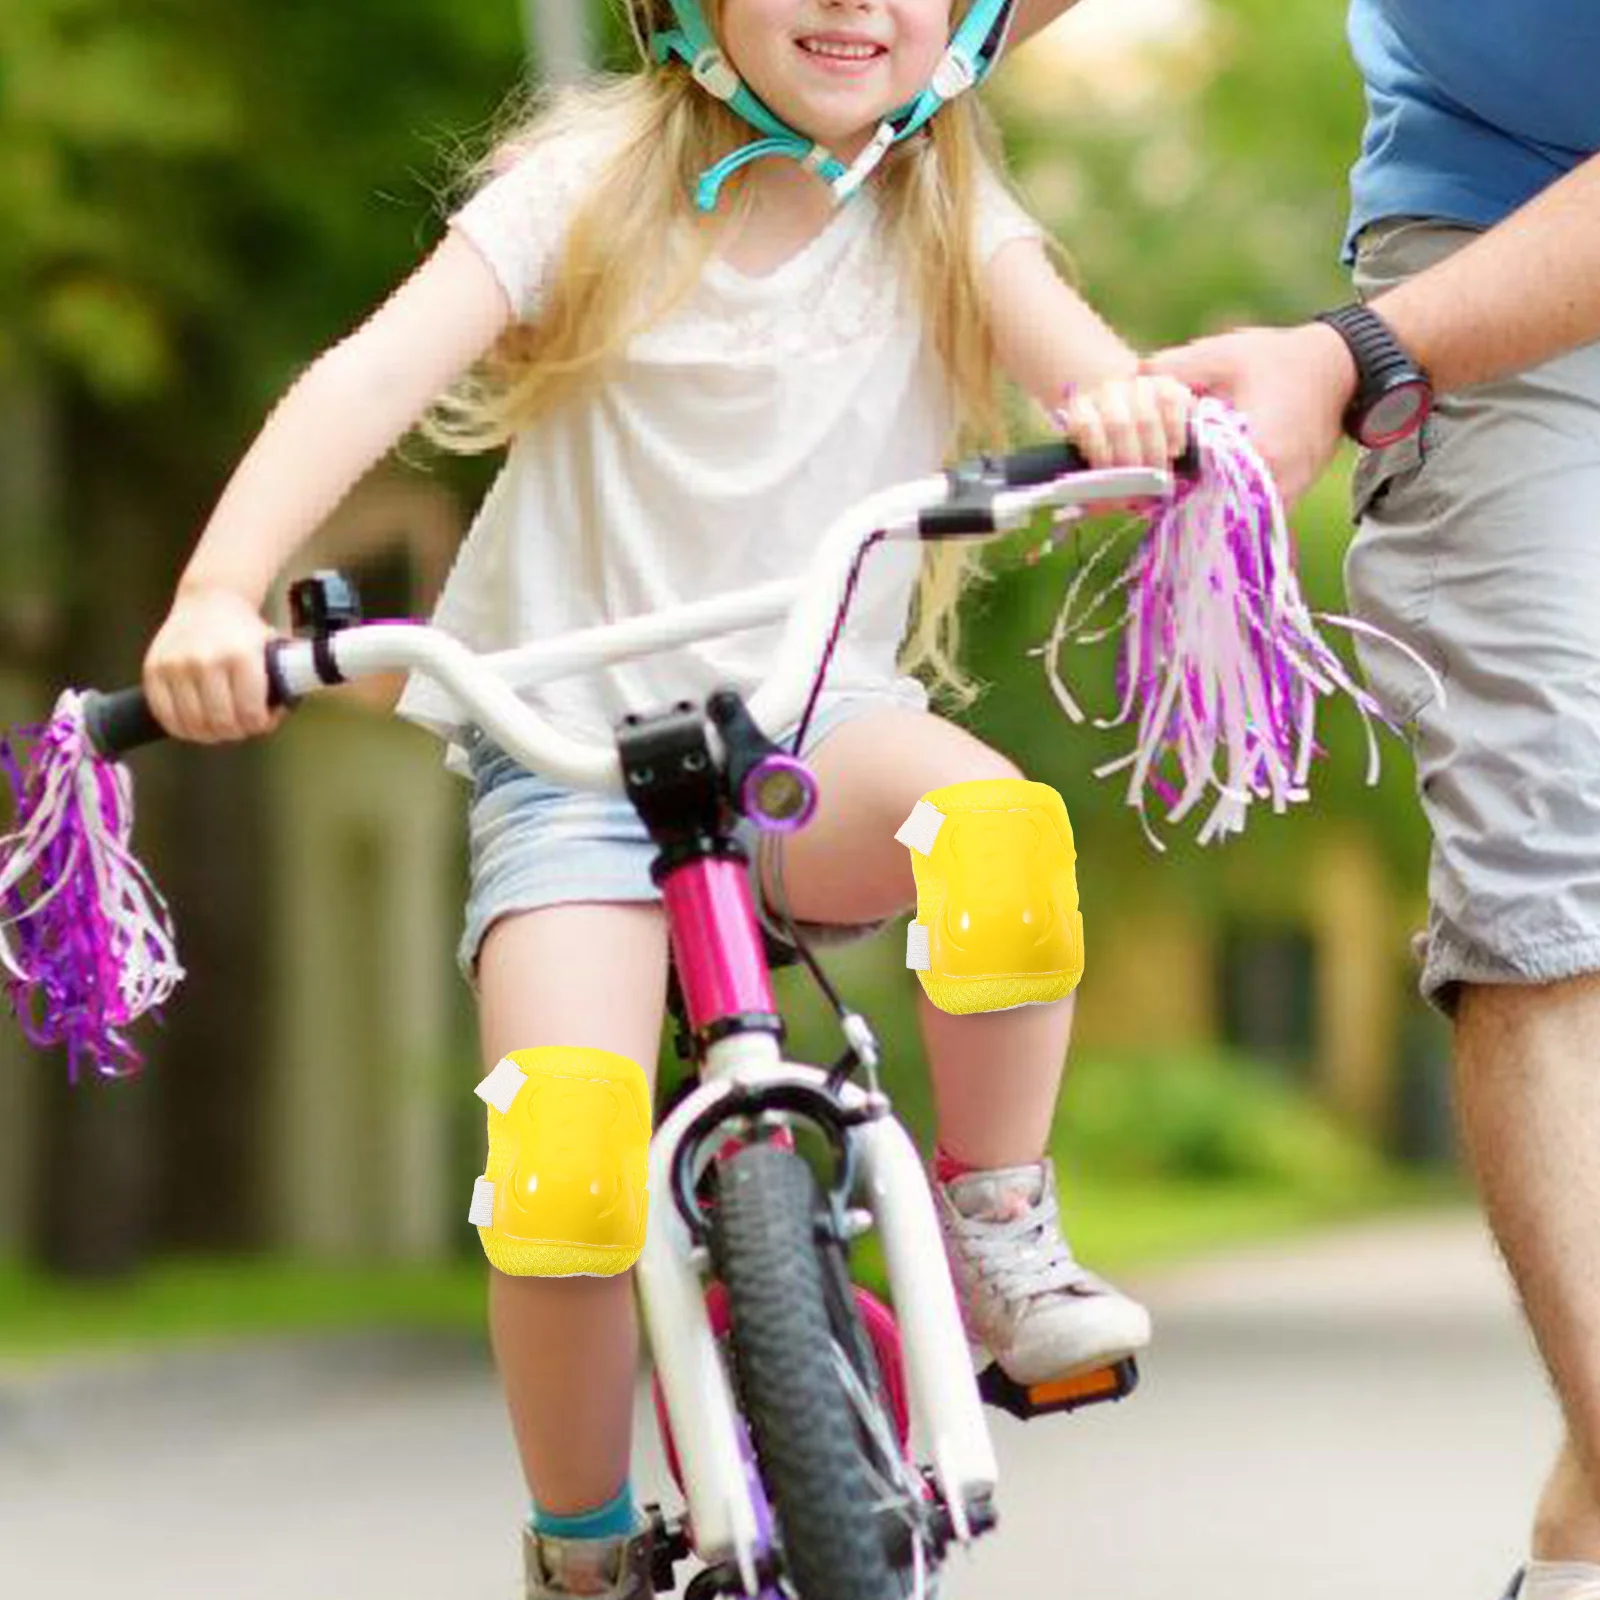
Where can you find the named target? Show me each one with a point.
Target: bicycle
(825, 1446)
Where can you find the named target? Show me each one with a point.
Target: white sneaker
(1023, 1296)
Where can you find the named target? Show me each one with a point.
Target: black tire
(851, 1337)
(804, 1426)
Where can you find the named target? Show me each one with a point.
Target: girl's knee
(591, 974)
(996, 766)
(980, 764)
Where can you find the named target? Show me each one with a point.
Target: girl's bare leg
(1025, 1300)
(995, 1074)
(995, 1085)
(567, 1348)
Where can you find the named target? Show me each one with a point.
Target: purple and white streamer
(86, 939)
(1221, 664)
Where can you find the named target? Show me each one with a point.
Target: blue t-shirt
(1473, 106)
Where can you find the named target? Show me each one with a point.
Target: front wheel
(805, 1424)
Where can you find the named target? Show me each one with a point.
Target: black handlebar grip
(120, 721)
(1040, 463)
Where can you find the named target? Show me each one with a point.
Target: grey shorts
(1478, 544)
(534, 844)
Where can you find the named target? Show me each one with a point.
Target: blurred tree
(1198, 178)
(197, 196)
(1195, 179)
(201, 193)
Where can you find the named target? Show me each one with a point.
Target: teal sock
(615, 1519)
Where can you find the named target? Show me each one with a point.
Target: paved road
(1360, 1418)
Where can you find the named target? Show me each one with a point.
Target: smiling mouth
(834, 50)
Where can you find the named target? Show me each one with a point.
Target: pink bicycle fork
(717, 947)
(726, 986)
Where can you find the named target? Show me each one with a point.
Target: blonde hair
(636, 245)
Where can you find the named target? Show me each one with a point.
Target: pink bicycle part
(716, 942)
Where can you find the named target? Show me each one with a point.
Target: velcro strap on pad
(501, 1088)
(919, 831)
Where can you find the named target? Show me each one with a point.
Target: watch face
(1395, 415)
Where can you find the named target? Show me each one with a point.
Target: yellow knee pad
(564, 1193)
(997, 923)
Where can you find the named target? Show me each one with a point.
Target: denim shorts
(1479, 546)
(535, 844)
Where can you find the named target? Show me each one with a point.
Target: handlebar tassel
(86, 939)
(1221, 662)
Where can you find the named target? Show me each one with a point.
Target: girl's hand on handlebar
(1141, 420)
(205, 672)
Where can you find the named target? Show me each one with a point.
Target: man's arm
(1032, 15)
(1525, 291)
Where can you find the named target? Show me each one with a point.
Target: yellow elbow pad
(997, 922)
(565, 1192)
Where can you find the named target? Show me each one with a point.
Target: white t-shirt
(724, 442)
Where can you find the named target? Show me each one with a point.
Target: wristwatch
(1393, 394)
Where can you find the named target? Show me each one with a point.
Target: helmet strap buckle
(954, 75)
(862, 167)
(711, 71)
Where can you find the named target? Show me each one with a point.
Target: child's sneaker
(1023, 1296)
(606, 1569)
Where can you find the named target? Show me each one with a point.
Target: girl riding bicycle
(698, 348)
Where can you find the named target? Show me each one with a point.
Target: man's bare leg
(1566, 1526)
(1528, 1086)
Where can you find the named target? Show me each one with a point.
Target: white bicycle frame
(945, 1407)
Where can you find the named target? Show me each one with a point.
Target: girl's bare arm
(344, 413)
(1047, 337)
(203, 674)
(1058, 349)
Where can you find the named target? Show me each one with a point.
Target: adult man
(1475, 235)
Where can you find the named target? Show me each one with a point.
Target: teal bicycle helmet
(974, 48)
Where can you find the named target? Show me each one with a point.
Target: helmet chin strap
(971, 53)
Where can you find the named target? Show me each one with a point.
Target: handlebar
(120, 720)
(976, 498)
(1057, 458)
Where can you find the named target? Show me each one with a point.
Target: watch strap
(1380, 359)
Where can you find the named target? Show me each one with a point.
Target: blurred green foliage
(200, 194)
(1010, 620)
(1203, 182)
(1213, 1119)
(1199, 185)
(253, 176)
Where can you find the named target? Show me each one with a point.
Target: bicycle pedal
(669, 1544)
(1027, 1401)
